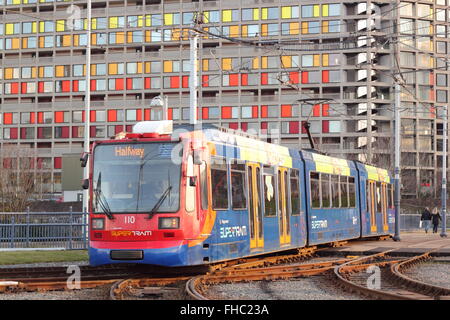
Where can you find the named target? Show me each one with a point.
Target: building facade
(331, 63)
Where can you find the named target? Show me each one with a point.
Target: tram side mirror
(85, 184)
(192, 181)
(84, 159)
(197, 157)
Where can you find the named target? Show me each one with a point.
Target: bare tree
(19, 179)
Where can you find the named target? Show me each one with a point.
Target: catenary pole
(193, 78)
(444, 175)
(397, 160)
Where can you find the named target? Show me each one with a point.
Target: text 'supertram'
(180, 196)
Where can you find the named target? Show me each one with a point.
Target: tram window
(315, 189)
(352, 192)
(335, 194)
(390, 196)
(295, 193)
(270, 205)
(219, 184)
(344, 191)
(325, 184)
(204, 185)
(238, 190)
(378, 197)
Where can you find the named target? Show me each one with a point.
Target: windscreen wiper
(159, 202)
(103, 204)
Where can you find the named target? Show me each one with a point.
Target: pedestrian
(435, 217)
(426, 219)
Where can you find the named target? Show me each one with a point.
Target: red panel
(264, 78)
(59, 117)
(325, 110)
(226, 112)
(138, 115)
(119, 84)
(185, 81)
(93, 116)
(93, 85)
(244, 126)
(7, 118)
(74, 132)
(147, 83)
(264, 125)
(129, 128)
(32, 117)
(264, 111)
(294, 77)
(24, 87)
(286, 110)
(92, 131)
(255, 111)
(112, 115)
(118, 129)
(234, 79)
(325, 76)
(147, 114)
(304, 77)
(244, 79)
(233, 125)
(40, 86)
(14, 133)
(175, 82)
(316, 110)
(293, 127)
(75, 86)
(205, 113)
(325, 126)
(15, 88)
(303, 128)
(66, 86)
(129, 84)
(205, 81)
(170, 114)
(65, 132)
(57, 163)
(23, 133)
(41, 117)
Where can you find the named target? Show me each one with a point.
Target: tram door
(371, 205)
(283, 210)
(384, 196)
(254, 208)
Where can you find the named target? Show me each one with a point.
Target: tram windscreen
(135, 177)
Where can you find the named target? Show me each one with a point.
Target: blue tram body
(290, 199)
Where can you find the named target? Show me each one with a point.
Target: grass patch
(21, 257)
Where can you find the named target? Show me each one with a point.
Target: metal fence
(66, 230)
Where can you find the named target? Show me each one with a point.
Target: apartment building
(331, 63)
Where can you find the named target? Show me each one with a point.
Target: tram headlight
(98, 223)
(169, 223)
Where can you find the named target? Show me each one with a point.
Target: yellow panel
(316, 10)
(85, 24)
(113, 22)
(76, 40)
(93, 69)
(287, 61)
(226, 64)
(256, 14)
(168, 66)
(41, 72)
(264, 29)
(59, 71)
(316, 60)
(9, 28)
(94, 24)
(129, 37)
(205, 64)
(294, 28)
(168, 19)
(325, 59)
(206, 15)
(264, 63)
(8, 73)
(140, 21)
(264, 13)
(24, 43)
(112, 68)
(325, 26)
(120, 37)
(33, 72)
(148, 20)
(286, 13)
(256, 63)
(60, 25)
(147, 67)
(226, 16)
(41, 42)
(148, 36)
(244, 31)
(94, 38)
(139, 67)
(325, 10)
(305, 27)
(331, 165)
(41, 26)
(234, 31)
(34, 27)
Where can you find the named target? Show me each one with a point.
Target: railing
(410, 222)
(66, 230)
